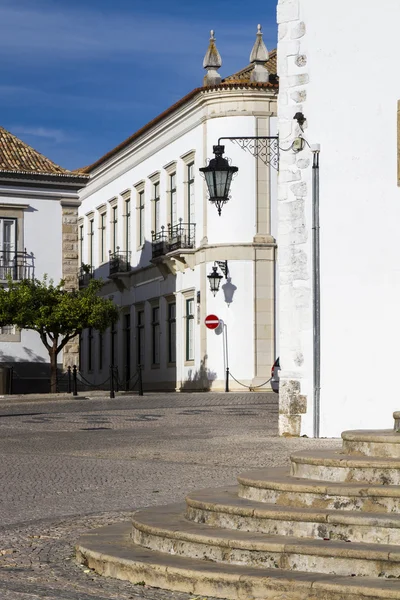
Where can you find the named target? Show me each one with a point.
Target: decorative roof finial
(212, 62)
(258, 57)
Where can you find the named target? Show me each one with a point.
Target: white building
(330, 56)
(38, 235)
(146, 227)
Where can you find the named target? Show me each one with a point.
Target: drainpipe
(316, 293)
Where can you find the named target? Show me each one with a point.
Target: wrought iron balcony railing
(174, 237)
(17, 265)
(120, 261)
(85, 274)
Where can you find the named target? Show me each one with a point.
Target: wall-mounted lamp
(218, 176)
(214, 277)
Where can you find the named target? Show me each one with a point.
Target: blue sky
(79, 76)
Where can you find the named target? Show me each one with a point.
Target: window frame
(155, 336)
(171, 337)
(189, 330)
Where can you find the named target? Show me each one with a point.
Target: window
(156, 191)
(80, 347)
(128, 225)
(190, 193)
(172, 201)
(114, 227)
(8, 330)
(155, 330)
(190, 329)
(102, 228)
(90, 349)
(172, 332)
(141, 217)
(113, 343)
(101, 350)
(8, 245)
(140, 337)
(81, 246)
(91, 241)
(127, 346)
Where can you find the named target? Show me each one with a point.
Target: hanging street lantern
(218, 176)
(215, 279)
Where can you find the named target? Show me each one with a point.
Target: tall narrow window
(114, 228)
(8, 241)
(172, 201)
(91, 242)
(127, 346)
(155, 334)
(190, 329)
(90, 349)
(101, 350)
(157, 207)
(80, 353)
(140, 337)
(102, 237)
(81, 240)
(172, 332)
(190, 193)
(113, 343)
(141, 217)
(128, 225)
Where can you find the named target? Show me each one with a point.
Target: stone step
(332, 465)
(379, 443)
(276, 485)
(223, 507)
(165, 529)
(110, 552)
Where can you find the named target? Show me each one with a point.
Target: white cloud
(57, 136)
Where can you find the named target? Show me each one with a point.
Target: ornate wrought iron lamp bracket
(265, 148)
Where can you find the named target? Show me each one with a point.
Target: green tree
(56, 314)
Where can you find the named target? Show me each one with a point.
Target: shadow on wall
(199, 381)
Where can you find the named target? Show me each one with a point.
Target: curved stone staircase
(328, 529)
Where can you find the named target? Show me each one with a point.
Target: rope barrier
(251, 388)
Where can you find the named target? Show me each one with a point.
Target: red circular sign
(211, 321)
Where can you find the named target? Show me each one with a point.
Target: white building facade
(147, 228)
(328, 55)
(38, 236)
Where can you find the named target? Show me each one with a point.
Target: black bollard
(10, 383)
(127, 378)
(69, 380)
(140, 381)
(74, 382)
(227, 380)
(112, 392)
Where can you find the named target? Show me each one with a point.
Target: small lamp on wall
(215, 278)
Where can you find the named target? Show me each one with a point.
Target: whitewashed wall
(42, 237)
(191, 130)
(339, 65)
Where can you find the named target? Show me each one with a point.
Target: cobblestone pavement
(73, 464)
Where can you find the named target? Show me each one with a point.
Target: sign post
(213, 322)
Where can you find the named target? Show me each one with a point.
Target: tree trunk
(53, 367)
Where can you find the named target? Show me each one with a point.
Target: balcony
(16, 265)
(120, 261)
(173, 238)
(85, 274)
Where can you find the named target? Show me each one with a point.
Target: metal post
(112, 392)
(116, 385)
(69, 380)
(74, 382)
(316, 293)
(127, 378)
(227, 380)
(10, 383)
(140, 381)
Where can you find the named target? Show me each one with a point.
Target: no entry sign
(211, 321)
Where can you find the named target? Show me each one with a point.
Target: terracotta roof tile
(225, 85)
(18, 157)
(244, 74)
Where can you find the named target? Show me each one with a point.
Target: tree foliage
(56, 314)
